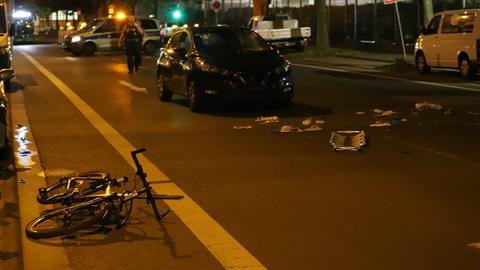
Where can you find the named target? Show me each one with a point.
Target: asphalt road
(410, 201)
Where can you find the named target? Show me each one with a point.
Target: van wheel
(421, 64)
(466, 67)
(89, 49)
(149, 48)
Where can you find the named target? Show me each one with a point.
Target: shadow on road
(254, 109)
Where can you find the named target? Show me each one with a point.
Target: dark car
(5, 75)
(222, 63)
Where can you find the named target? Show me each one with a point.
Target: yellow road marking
(228, 251)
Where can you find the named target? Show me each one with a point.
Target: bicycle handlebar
(135, 159)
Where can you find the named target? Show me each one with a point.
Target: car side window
(148, 24)
(174, 41)
(458, 23)
(185, 41)
(108, 26)
(432, 27)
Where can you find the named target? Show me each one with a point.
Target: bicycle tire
(55, 193)
(123, 213)
(35, 231)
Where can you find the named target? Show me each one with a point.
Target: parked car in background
(166, 31)
(280, 30)
(451, 40)
(103, 34)
(5, 75)
(222, 63)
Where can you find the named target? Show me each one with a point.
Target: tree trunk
(428, 11)
(260, 7)
(322, 39)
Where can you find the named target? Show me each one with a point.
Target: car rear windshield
(228, 40)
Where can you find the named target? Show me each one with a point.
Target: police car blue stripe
(98, 37)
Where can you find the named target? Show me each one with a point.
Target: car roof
(458, 11)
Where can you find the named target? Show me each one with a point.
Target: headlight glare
(284, 68)
(76, 39)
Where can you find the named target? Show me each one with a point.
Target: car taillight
(478, 49)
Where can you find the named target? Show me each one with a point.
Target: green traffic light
(177, 14)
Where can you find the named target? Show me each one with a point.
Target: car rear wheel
(163, 93)
(89, 49)
(195, 97)
(7, 85)
(421, 64)
(467, 70)
(149, 47)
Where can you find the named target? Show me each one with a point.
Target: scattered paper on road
(313, 128)
(242, 127)
(380, 123)
(427, 106)
(307, 121)
(267, 119)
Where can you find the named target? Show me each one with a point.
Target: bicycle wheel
(67, 220)
(57, 192)
(123, 212)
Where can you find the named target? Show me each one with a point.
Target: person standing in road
(131, 37)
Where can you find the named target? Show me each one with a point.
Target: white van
(103, 34)
(451, 40)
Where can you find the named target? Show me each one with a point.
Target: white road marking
(226, 249)
(133, 87)
(389, 77)
(431, 150)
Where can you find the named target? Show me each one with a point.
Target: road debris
(267, 119)
(380, 123)
(360, 113)
(242, 127)
(307, 121)
(348, 140)
(313, 128)
(422, 106)
(448, 112)
(399, 121)
(21, 181)
(320, 122)
(290, 129)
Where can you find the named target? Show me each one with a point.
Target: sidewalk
(313, 54)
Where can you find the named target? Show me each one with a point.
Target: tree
(321, 22)
(260, 7)
(428, 11)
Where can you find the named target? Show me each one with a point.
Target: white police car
(103, 34)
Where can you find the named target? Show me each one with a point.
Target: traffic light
(177, 14)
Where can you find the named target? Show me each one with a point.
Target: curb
(30, 177)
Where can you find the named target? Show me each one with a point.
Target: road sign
(388, 2)
(216, 5)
